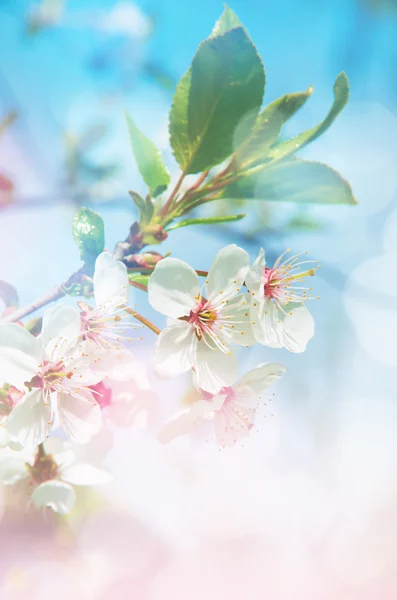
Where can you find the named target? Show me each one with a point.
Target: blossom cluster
(54, 393)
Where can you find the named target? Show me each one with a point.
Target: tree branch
(55, 294)
(20, 313)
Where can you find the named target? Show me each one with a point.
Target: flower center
(49, 375)
(43, 469)
(284, 282)
(203, 317)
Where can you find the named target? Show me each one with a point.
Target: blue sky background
(48, 79)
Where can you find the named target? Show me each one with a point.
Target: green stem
(180, 208)
(206, 221)
(204, 200)
(214, 186)
(174, 192)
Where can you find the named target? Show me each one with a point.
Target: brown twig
(139, 286)
(143, 320)
(149, 270)
(199, 181)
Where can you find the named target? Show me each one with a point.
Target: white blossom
(204, 325)
(54, 371)
(51, 473)
(278, 302)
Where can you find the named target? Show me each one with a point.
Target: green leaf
(138, 201)
(222, 91)
(265, 133)
(227, 21)
(179, 137)
(341, 96)
(206, 221)
(287, 105)
(145, 207)
(89, 234)
(226, 92)
(268, 126)
(294, 181)
(34, 326)
(149, 160)
(8, 294)
(138, 278)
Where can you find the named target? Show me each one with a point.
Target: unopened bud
(146, 260)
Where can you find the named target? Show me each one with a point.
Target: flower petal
(253, 279)
(185, 421)
(141, 375)
(297, 328)
(29, 422)
(4, 437)
(173, 287)
(214, 368)
(175, 349)
(133, 408)
(82, 361)
(60, 448)
(57, 495)
(227, 271)
(85, 474)
(12, 470)
(258, 379)
(20, 354)
(233, 423)
(110, 281)
(117, 364)
(237, 312)
(60, 332)
(80, 417)
(266, 323)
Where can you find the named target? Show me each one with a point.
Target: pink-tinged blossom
(206, 323)
(231, 412)
(278, 302)
(103, 394)
(55, 372)
(127, 404)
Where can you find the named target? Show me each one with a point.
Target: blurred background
(307, 507)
